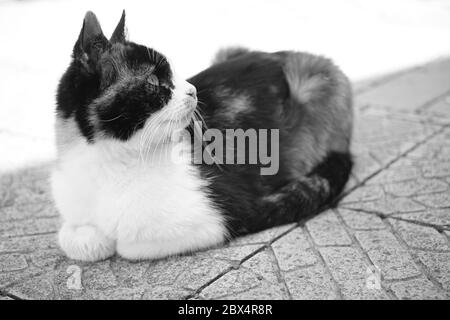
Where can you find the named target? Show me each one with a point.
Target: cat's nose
(191, 91)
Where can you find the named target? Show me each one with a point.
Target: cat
(117, 105)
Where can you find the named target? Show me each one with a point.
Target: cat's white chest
(131, 200)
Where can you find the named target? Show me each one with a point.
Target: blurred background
(365, 38)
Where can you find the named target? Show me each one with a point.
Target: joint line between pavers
(4, 293)
(322, 261)
(357, 245)
(383, 216)
(249, 256)
(422, 268)
(280, 273)
(431, 102)
(390, 163)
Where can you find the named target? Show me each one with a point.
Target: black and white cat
(118, 104)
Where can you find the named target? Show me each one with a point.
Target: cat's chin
(182, 121)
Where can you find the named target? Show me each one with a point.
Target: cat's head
(115, 88)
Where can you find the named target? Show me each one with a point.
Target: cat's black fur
(311, 174)
(252, 202)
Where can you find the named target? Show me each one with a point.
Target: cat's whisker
(165, 118)
(153, 133)
(109, 120)
(150, 133)
(167, 130)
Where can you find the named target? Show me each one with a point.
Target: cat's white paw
(85, 243)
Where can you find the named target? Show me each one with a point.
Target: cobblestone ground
(387, 239)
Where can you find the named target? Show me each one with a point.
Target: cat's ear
(91, 41)
(120, 32)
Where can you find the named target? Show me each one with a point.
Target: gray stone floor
(389, 238)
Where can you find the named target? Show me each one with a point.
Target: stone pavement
(389, 238)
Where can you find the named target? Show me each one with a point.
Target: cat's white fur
(115, 198)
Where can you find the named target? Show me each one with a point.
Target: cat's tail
(226, 54)
(310, 195)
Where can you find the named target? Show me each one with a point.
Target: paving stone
(235, 281)
(28, 211)
(437, 200)
(37, 288)
(257, 278)
(200, 272)
(360, 220)
(412, 90)
(440, 108)
(439, 266)
(416, 187)
(263, 236)
(12, 277)
(12, 262)
(29, 227)
(327, 230)
(416, 289)
(417, 236)
(99, 276)
(165, 293)
(129, 274)
(28, 243)
(344, 263)
(439, 217)
(34, 178)
(270, 285)
(358, 290)
(263, 292)
(379, 139)
(46, 259)
(69, 280)
(350, 271)
(167, 271)
(364, 164)
(387, 205)
(311, 283)
(436, 169)
(387, 254)
(397, 173)
(27, 188)
(435, 149)
(265, 265)
(364, 193)
(232, 253)
(387, 151)
(293, 251)
(190, 272)
(119, 294)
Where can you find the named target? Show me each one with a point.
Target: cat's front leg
(85, 243)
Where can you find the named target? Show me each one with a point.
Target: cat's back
(245, 91)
